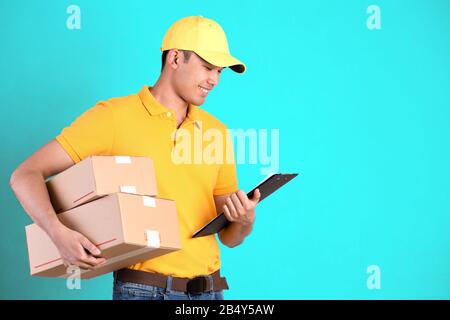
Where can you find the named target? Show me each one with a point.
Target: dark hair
(186, 54)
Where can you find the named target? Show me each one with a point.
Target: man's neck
(165, 95)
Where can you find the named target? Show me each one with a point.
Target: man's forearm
(235, 233)
(29, 188)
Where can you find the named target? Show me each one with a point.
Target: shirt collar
(154, 107)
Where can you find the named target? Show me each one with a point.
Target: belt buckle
(196, 285)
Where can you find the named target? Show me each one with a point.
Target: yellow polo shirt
(138, 125)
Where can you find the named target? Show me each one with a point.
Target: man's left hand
(240, 209)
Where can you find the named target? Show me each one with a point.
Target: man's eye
(208, 68)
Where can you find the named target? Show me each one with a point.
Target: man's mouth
(204, 91)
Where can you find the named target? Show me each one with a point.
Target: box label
(153, 239)
(149, 201)
(122, 159)
(128, 189)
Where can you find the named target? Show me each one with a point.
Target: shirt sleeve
(227, 181)
(92, 133)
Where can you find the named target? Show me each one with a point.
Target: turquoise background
(364, 116)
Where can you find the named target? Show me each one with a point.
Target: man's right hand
(76, 249)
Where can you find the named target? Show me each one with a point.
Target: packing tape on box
(128, 189)
(153, 239)
(149, 201)
(122, 159)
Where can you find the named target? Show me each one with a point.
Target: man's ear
(173, 58)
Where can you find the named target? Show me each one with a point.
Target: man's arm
(240, 211)
(28, 184)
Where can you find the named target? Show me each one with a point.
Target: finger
(84, 265)
(93, 260)
(65, 261)
(232, 209)
(89, 246)
(256, 196)
(237, 204)
(244, 200)
(69, 266)
(89, 260)
(84, 259)
(227, 214)
(78, 263)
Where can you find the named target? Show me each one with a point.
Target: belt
(195, 285)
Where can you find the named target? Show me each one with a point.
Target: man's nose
(214, 79)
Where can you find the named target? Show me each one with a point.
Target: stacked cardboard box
(112, 201)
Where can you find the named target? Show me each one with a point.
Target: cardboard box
(127, 229)
(97, 176)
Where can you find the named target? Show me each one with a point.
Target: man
(195, 51)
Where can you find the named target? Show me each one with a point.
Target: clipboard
(268, 186)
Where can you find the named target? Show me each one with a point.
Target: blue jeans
(137, 291)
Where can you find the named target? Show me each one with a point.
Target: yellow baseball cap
(205, 37)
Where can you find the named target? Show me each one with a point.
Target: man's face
(193, 80)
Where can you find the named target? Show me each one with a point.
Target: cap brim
(222, 60)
